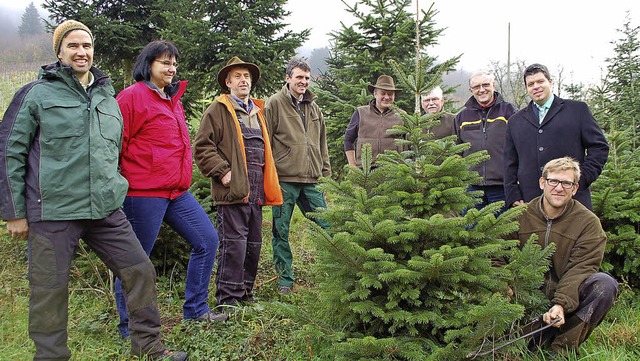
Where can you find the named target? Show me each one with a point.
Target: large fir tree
(121, 29)
(616, 193)
(207, 34)
(254, 30)
(401, 275)
(384, 31)
(31, 23)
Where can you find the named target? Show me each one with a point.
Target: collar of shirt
(246, 106)
(155, 87)
(295, 100)
(546, 104)
(91, 80)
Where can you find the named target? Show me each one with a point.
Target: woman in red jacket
(156, 159)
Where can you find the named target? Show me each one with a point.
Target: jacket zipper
(485, 116)
(546, 236)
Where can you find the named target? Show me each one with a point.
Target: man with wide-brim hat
(237, 62)
(232, 147)
(369, 123)
(384, 82)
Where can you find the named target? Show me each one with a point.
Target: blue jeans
(185, 216)
(492, 194)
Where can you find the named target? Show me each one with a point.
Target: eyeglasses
(483, 85)
(565, 184)
(167, 64)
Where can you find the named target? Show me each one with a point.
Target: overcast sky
(574, 34)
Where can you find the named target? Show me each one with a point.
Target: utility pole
(509, 56)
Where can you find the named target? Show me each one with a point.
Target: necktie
(542, 111)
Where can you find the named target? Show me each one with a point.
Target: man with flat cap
(232, 148)
(60, 140)
(369, 123)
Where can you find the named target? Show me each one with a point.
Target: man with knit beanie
(59, 182)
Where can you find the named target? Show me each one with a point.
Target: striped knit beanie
(63, 29)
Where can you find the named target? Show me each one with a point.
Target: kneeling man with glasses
(580, 296)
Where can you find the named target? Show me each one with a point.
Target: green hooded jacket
(59, 147)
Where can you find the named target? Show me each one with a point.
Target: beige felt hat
(237, 62)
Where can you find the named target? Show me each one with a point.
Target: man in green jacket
(299, 143)
(580, 295)
(59, 182)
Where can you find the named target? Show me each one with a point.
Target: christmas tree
(402, 274)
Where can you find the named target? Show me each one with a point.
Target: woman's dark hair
(151, 52)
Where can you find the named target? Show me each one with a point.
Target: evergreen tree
(576, 91)
(616, 200)
(121, 29)
(401, 275)
(616, 193)
(210, 33)
(384, 30)
(31, 24)
(207, 34)
(622, 83)
(318, 60)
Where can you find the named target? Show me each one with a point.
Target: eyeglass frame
(478, 86)
(167, 64)
(565, 183)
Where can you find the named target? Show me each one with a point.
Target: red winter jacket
(156, 149)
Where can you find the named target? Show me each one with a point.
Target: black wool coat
(568, 129)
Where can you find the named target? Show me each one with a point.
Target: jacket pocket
(315, 161)
(282, 154)
(62, 119)
(109, 122)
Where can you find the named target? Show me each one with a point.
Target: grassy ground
(260, 333)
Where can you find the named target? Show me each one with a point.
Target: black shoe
(167, 355)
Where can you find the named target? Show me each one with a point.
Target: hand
(18, 228)
(554, 313)
(517, 203)
(351, 157)
(226, 179)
